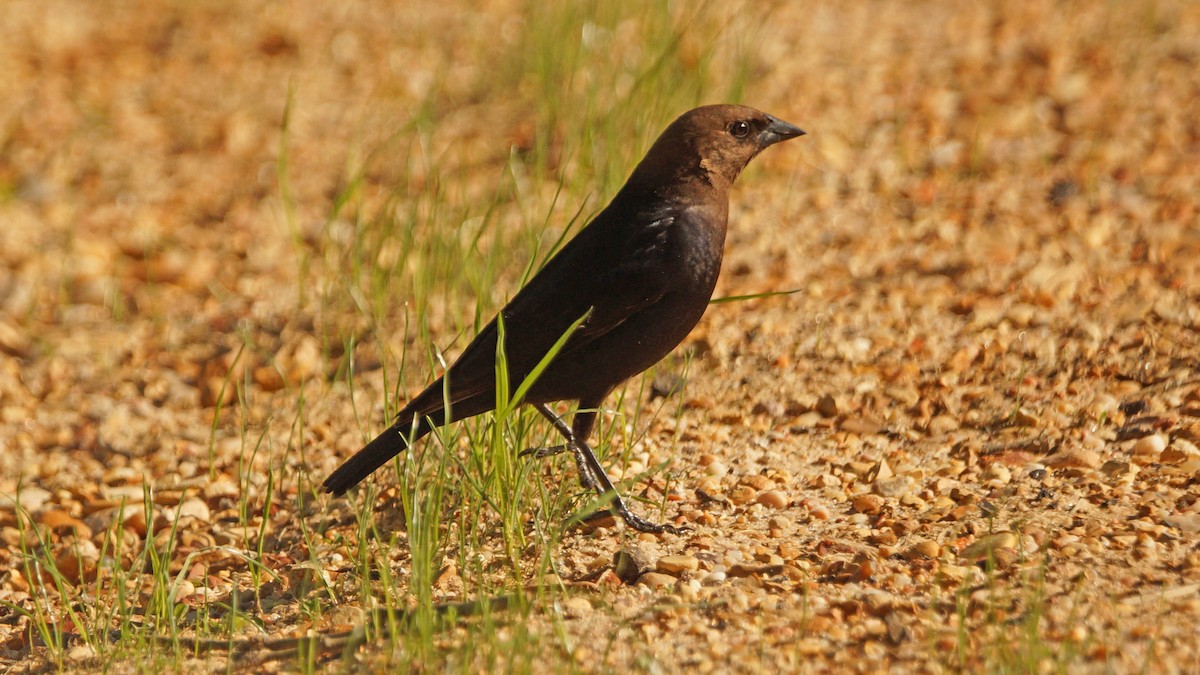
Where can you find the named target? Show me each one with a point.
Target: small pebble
(827, 406)
(657, 580)
(894, 487)
(868, 503)
(983, 546)
(880, 471)
(675, 564)
(1149, 446)
(1180, 451)
(195, 508)
(576, 606)
(923, 550)
(1021, 314)
(1025, 418)
(185, 589)
(772, 499)
(956, 573)
(629, 563)
(997, 472)
(819, 511)
(221, 487)
(81, 653)
(828, 480)
(1189, 523)
(943, 424)
(757, 481)
(1115, 468)
(1103, 404)
(742, 494)
(861, 426)
(1074, 458)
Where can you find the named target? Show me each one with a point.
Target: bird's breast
(699, 247)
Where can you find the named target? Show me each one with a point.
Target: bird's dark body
(643, 271)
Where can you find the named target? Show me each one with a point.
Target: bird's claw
(640, 524)
(592, 475)
(543, 453)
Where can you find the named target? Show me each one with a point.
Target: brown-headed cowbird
(641, 272)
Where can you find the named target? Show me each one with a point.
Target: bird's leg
(586, 478)
(590, 469)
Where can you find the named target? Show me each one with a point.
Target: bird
(623, 292)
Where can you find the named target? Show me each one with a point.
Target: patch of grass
(597, 82)
(403, 276)
(1000, 623)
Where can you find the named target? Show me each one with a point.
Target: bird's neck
(684, 186)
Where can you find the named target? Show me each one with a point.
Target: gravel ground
(968, 441)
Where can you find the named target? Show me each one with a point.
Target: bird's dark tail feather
(393, 441)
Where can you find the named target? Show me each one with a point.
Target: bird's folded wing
(613, 285)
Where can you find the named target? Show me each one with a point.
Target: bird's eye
(739, 129)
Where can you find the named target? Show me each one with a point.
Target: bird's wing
(638, 279)
(622, 275)
(612, 277)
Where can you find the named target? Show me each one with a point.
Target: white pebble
(1150, 446)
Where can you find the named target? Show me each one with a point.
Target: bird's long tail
(423, 414)
(393, 441)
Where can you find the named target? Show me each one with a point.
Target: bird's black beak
(777, 130)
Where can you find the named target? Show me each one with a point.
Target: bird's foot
(592, 475)
(543, 453)
(640, 524)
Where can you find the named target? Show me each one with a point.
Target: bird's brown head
(709, 146)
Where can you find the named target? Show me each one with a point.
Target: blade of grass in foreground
(509, 470)
(752, 296)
